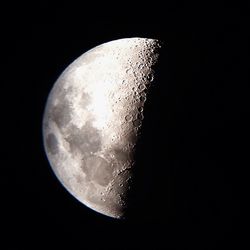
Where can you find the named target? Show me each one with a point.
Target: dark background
(193, 157)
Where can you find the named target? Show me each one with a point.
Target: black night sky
(193, 158)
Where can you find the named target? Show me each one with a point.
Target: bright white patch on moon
(92, 121)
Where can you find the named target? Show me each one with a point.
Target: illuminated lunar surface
(92, 121)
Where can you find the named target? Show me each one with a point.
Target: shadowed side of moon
(93, 118)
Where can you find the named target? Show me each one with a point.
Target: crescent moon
(92, 121)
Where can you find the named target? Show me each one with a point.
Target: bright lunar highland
(93, 118)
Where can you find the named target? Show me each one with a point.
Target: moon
(92, 121)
